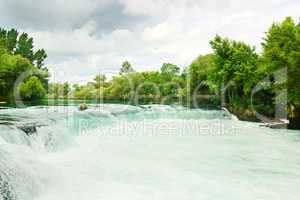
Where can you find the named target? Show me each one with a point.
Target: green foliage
(55, 90)
(124, 87)
(169, 70)
(85, 92)
(11, 41)
(32, 89)
(281, 49)
(39, 57)
(66, 89)
(17, 58)
(11, 67)
(235, 64)
(22, 44)
(126, 68)
(99, 81)
(150, 87)
(136, 86)
(198, 73)
(25, 47)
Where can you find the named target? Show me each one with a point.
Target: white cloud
(158, 32)
(151, 7)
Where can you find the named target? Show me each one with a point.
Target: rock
(279, 125)
(83, 107)
(294, 123)
(29, 129)
(275, 125)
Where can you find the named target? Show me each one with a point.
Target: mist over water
(150, 152)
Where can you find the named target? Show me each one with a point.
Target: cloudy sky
(86, 37)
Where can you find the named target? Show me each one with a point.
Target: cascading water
(146, 152)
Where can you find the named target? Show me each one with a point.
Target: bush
(32, 89)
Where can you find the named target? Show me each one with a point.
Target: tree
(76, 87)
(234, 62)
(11, 67)
(16, 57)
(125, 86)
(32, 89)
(126, 68)
(85, 92)
(99, 81)
(281, 49)
(25, 47)
(39, 57)
(11, 40)
(172, 87)
(55, 90)
(198, 72)
(150, 87)
(169, 70)
(22, 45)
(66, 89)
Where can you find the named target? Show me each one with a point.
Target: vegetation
(21, 65)
(32, 89)
(126, 68)
(281, 49)
(131, 86)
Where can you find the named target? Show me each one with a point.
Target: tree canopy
(17, 57)
(126, 68)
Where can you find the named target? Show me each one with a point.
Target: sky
(86, 37)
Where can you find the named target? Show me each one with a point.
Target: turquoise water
(116, 151)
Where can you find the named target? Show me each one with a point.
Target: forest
(234, 75)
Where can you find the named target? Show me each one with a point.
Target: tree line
(129, 85)
(234, 75)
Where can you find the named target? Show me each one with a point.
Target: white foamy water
(148, 152)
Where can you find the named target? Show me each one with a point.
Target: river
(153, 152)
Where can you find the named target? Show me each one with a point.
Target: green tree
(25, 47)
(281, 49)
(172, 87)
(235, 63)
(76, 87)
(16, 57)
(66, 89)
(32, 89)
(39, 58)
(22, 45)
(125, 86)
(85, 92)
(99, 81)
(11, 67)
(11, 40)
(126, 68)
(150, 88)
(55, 90)
(169, 70)
(198, 72)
